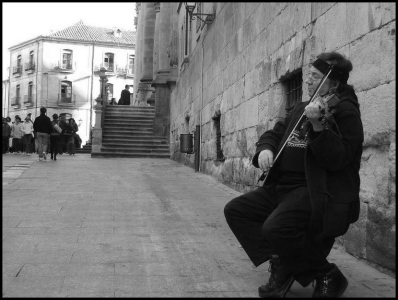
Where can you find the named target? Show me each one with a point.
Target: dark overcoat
(332, 163)
(124, 98)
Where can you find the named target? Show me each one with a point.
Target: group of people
(42, 136)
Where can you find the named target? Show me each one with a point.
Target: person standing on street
(54, 138)
(125, 96)
(6, 133)
(17, 134)
(311, 193)
(43, 128)
(27, 129)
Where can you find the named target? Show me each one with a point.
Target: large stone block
(374, 175)
(381, 13)
(239, 92)
(357, 25)
(354, 241)
(378, 108)
(263, 100)
(381, 237)
(248, 113)
(320, 8)
(372, 53)
(251, 139)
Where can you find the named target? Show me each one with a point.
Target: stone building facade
(61, 72)
(235, 78)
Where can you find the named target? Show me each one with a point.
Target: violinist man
(311, 192)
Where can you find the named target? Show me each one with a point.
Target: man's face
(313, 79)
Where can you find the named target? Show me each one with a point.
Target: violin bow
(265, 173)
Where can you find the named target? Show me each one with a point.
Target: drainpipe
(37, 74)
(9, 87)
(91, 96)
(201, 109)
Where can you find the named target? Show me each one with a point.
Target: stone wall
(236, 66)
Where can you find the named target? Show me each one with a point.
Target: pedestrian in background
(9, 122)
(17, 134)
(43, 127)
(6, 133)
(63, 137)
(71, 130)
(27, 129)
(55, 138)
(125, 96)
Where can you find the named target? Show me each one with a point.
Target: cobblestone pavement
(122, 227)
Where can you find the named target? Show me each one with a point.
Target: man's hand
(265, 160)
(313, 113)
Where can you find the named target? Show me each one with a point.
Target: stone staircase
(128, 132)
(85, 149)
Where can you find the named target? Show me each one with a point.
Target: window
(108, 61)
(217, 124)
(66, 91)
(67, 59)
(16, 100)
(293, 88)
(30, 65)
(30, 92)
(131, 64)
(18, 67)
(109, 90)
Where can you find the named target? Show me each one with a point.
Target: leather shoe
(276, 287)
(330, 285)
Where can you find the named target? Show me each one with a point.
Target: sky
(22, 21)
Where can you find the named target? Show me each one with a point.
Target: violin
(327, 105)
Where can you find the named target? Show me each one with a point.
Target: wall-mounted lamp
(80, 122)
(190, 7)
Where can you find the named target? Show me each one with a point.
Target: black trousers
(54, 144)
(274, 221)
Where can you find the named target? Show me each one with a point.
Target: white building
(61, 72)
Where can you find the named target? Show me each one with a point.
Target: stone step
(145, 136)
(136, 145)
(134, 150)
(132, 155)
(128, 107)
(134, 140)
(125, 116)
(128, 131)
(128, 126)
(128, 121)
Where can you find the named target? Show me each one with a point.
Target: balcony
(16, 102)
(30, 67)
(110, 69)
(17, 71)
(28, 100)
(66, 101)
(64, 67)
(126, 72)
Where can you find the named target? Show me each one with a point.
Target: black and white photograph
(199, 149)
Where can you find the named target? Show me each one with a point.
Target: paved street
(124, 227)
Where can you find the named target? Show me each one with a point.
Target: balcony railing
(109, 68)
(17, 70)
(63, 67)
(16, 101)
(28, 99)
(124, 71)
(30, 66)
(69, 101)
